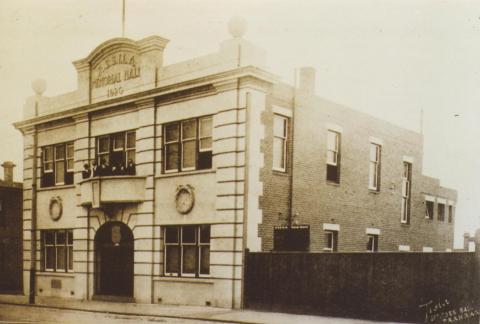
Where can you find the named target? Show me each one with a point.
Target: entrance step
(112, 298)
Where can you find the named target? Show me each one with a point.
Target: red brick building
(355, 180)
(10, 232)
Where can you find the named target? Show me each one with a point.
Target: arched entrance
(114, 260)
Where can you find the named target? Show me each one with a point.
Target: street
(29, 314)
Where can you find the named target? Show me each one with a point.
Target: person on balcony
(104, 169)
(86, 173)
(130, 167)
(118, 169)
(95, 169)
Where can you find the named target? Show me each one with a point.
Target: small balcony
(106, 190)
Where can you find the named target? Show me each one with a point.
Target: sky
(390, 59)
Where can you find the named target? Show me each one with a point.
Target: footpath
(212, 314)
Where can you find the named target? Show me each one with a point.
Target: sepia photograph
(268, 161)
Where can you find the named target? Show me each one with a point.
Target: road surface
(27, 314)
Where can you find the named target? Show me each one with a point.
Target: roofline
(247, 71)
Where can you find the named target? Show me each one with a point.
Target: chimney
(8, 171)
(466, 241)
(307, 80)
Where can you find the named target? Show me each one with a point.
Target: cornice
(253, 74)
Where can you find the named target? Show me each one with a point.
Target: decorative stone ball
(39, 86)
(237, 26)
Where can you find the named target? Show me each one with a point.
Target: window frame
(375, 239)
(333, 241)
(180, 141)
(188, 140)
(46, 162)
(406, 193)
(450, 213)
(427, 211)
(442, 219)
(111, 141)
(377, 167)
(68, 173)
(71, 158)
(197, 244)
(67, 245)
(336, 153)
(284, 139)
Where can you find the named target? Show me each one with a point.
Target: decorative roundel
(55, 208)
(184, 199)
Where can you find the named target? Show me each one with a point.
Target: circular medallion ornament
(184, 199)
(55, 208)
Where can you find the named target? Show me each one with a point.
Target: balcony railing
(100, 191)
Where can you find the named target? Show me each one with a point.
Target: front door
(114, 260)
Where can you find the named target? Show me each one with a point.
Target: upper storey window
(333, 156)
(429, 209)
(57, 165)
(188, 145)
(115, 154)
(441, 212)
(280, 132)
(406, 192)
(374, 168)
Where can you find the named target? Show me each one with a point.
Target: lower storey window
(187, 250)
(372, 243)
(331, 238)
(57, 250)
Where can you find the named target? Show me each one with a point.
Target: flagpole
(123, 18)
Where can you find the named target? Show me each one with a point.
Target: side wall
(349, 204)
(11, 239)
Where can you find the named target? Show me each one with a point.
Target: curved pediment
(121, 66)
(109, 47)
(120, 43)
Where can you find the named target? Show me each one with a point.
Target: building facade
(150, 181)
(10, 232)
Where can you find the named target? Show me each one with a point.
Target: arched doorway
(114, 260)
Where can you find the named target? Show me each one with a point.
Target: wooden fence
(380, 286)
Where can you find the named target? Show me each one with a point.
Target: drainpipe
(292, 145)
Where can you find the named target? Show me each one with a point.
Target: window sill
(373, 191)
(185, 173)
(55, 274)
(280, 173)
(56, 187)
(332, 183)
(197, 280)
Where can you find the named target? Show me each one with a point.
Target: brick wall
(11, 239)
(276, 197)
(350, 203)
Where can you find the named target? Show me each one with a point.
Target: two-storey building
(149, 181)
